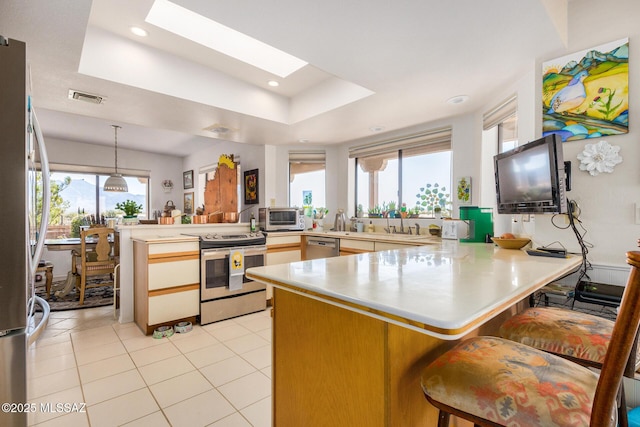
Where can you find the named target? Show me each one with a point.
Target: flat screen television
(531, 178)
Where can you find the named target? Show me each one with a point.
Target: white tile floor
(216, 375)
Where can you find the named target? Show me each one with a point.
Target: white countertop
(444, 290)
(166, 239)
(407, 239)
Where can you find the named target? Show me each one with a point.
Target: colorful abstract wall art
(464, 190)
(586, 94)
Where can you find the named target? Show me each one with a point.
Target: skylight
(199, 29)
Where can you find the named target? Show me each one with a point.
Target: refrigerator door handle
(34, 330)
(46, 192)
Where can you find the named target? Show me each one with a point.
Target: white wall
(607, 200)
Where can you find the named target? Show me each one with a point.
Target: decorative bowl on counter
(517, 243)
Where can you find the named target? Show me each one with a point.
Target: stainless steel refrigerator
(24, 217)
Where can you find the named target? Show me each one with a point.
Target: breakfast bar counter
(351, 334)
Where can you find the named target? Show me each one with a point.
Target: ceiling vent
(219, 129)
(86, 97)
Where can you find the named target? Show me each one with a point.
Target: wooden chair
(492, 381)
(97, 257)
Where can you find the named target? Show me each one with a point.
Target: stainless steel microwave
(281, 219)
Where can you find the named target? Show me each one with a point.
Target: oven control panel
(228, 240)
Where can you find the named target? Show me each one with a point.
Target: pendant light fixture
(116, 182)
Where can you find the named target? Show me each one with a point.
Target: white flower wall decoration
(598, 158)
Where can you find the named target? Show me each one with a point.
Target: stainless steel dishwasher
(322, 247)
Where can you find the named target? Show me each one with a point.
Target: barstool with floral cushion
(580, 337)
(492, 381)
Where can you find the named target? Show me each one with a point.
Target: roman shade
(305, 161)
(424, 142)
(61, 167)
(497, 115)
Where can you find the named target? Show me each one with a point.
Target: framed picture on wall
(188, 203)
(251, 187)
(463, 190)
(187, 179)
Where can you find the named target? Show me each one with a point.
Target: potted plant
(375, 212)
(403, 210)
(130, 208)
(391, 209)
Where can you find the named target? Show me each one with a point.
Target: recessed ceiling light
(303, 140)
(458, 99)
(273, 83)
(207, 32)
(376, 128)
(139, 31)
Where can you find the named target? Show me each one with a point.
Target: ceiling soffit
(120, 59)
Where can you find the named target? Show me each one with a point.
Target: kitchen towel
(236, 269)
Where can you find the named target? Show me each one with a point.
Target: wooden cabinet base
(337, 367)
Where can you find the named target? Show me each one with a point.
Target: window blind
(499, 114)
(305, 161)
(430, 141)
(61, 167)
(307, 156)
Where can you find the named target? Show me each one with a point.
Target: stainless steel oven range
(225, 292)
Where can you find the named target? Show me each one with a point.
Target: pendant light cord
(115, 128)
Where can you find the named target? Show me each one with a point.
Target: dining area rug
(98, 296)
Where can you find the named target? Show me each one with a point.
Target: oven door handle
(207, 254)
(254, 250)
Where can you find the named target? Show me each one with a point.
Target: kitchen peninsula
(351, 334)
(176, 233)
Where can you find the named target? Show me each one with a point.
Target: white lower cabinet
(166, 283)
(353, 246)
(282, 249)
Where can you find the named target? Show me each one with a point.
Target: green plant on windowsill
(391, 210)
(375, 212)
(130, 208)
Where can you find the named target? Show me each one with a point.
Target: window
(307, 179)
(508, 133)
(500, 134)
(393, 176)
(77, 199)
(504, 118)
